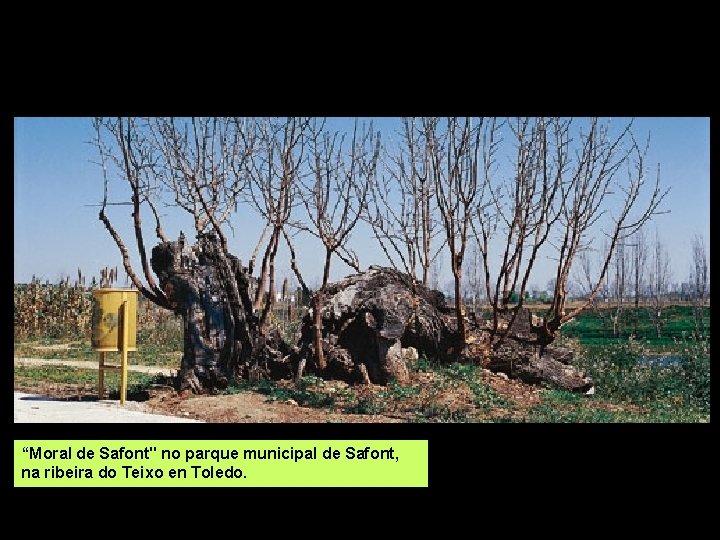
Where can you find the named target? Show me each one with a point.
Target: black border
(490, 466)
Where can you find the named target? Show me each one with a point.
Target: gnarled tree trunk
(370, 322)
(213, 293)
(370, 319)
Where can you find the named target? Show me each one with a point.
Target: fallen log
(368, 319)
(527, 365)
(522, 356)
(373, 319)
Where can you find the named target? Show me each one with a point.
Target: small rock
(410, 354)
(395, 366)
(336, 385)
(364, 373)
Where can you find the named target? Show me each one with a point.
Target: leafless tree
(564, 180)
(197, 162)
(600, 174)
(523, 210)
(473, 277)
(699, 283)
(335, 199)
(128, 150)
(570, 186)
(638, 264)
(274, 175)
(586, 279)
(460, 156)
(196, 165)
(401, 207)
(620, 263)
(659, 282)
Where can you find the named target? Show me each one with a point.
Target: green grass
(484, 397)
(424, 404)
(150, 350)
(678, 322)
(411, 401)
(31, 376)
(565, 407)
(57, 374)
(274, 392)
(36, 348)
(678, 393)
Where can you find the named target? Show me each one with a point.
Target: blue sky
(55, 179)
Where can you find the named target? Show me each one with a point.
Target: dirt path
(88, 364)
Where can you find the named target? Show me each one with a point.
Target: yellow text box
(221, 463)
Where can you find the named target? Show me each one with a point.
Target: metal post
(101, 376)
(124, 344)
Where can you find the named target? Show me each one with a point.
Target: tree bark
(213, 294)
(370, 322)
(555, 372)
(317, 312)
(372, 319)
(527, 353)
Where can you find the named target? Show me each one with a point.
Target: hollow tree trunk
(213, 293)
(372, 320)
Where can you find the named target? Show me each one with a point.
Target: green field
(595, 328)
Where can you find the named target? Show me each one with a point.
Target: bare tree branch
(337, 198)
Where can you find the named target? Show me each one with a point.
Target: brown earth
(428, 397)
(427, 393)
(250, 407)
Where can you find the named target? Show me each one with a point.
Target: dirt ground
(250, 407)
(244, 407)
(254, 407)
(428, 397)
